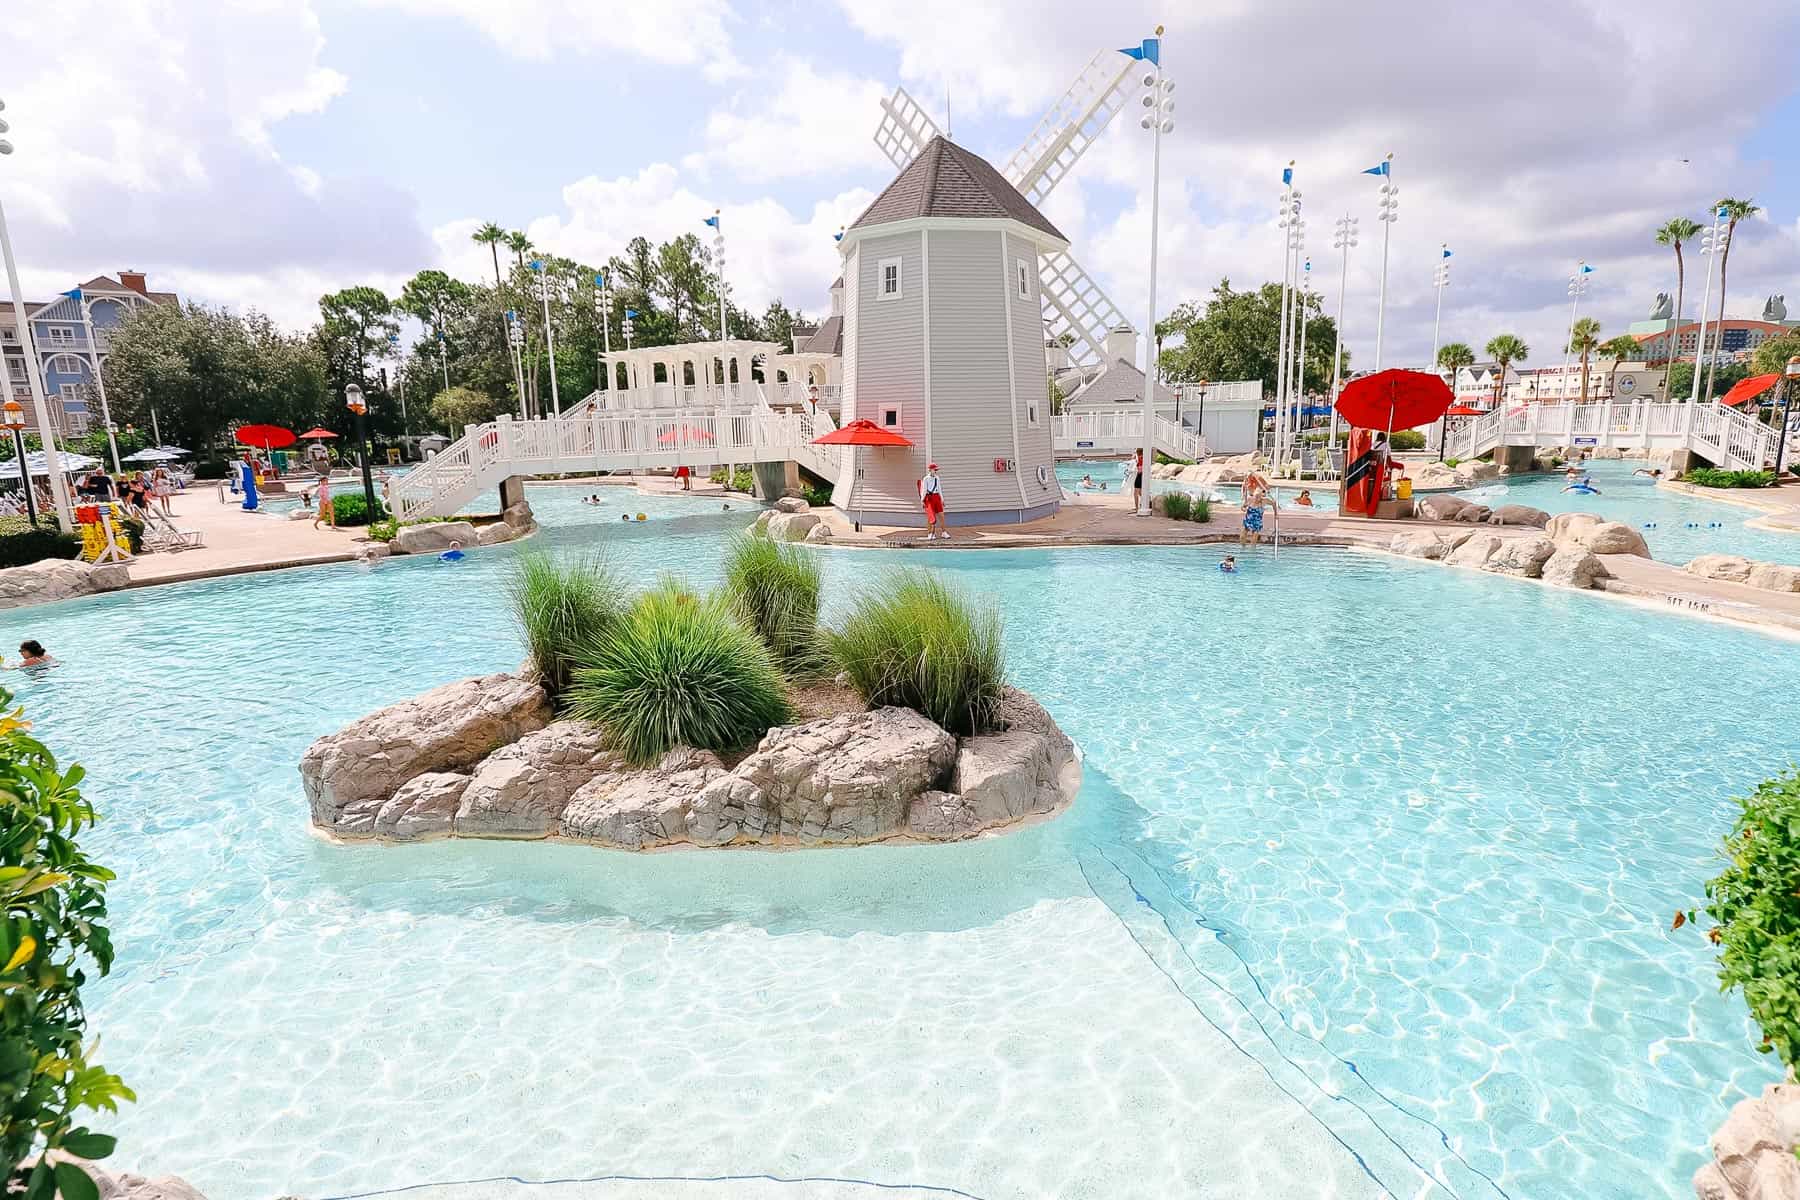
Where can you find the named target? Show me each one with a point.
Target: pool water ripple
(1367, 886)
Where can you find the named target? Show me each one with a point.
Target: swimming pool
(1351, 898)
(1675, 526)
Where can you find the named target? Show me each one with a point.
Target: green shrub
(1162, 459)
(1177, 505)
(1406, 439)
(678, 670)
(212, 468)
(744, 480)
(21, 545)
(561, 607)
(775, 587)
(384, 531)
(352, 508)
(52, 934)
(1715, 478)
(1451, 462)
(917, 642)
(817, 494)
(1200, 511)
(1756, 902)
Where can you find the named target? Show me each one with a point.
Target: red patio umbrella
(858, 434)
(264, 437)
(1465, 410)
(318, 433)
(1745, 389)
(1395, 399)
(685, 433)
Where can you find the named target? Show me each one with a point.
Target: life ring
(1043, 475)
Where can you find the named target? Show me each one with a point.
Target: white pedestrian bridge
(1722, 436)
(588, 438)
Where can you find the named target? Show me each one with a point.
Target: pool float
(1582, 489)
(1362, 479)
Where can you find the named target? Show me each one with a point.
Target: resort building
(1606, 380)
(65, 357)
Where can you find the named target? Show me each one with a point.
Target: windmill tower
(953, 279)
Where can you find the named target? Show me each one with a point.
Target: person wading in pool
(1256, 495)
(931, 495)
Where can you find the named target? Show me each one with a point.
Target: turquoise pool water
(1683, 526)
(1366, 893)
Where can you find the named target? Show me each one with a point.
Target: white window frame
(881, 270)
(1031, 413)
(9, 335)
(891, 416)
(1024, 274)
(61, 333)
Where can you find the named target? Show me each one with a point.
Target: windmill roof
(945, 180)
(828, 338)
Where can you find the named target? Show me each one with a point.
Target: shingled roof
(946, 180)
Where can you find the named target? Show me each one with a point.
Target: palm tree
(1505, 349)
(1674, 232)
(519, 244)
(491, 235)
(1583, 338)
(1618, 349)
(1735, 211)
(1452, 358)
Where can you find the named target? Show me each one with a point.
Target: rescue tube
(1363, 477)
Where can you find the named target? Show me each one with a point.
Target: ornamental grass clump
(1177, 506)
(775, 588)
(917, 642)
(678, 670)
(1200, 510)
(562, 606)
(1756, 902)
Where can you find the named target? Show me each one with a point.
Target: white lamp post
(1289, 223)
(1440, 280)
(1578, 285)
(627, 327)
(59, 487)
(87, 329)
(1157, 120)
(537, 264)
(1343, 241)
(515, 343)
(718, 249)
(603, 299)
(1791, 382)
(1389, 212)
(1299, 379)
(1712, 249)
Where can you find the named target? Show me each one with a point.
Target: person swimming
(1584, 486)
(1652, 472)
(32, 654)
(1304, 499)
(453, 554)
(1228, 564)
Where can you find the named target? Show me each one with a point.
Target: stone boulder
(435, 537)
(1753, 1151)
(125, 1186)
(1573, 567)
(424, 806)
(792, 504)
(1596, 535)
(495, 532)
(760, 526)
(1442, 508)
(1609, 453)
(520, 791)
(1420, 543)
(53, 579)
(791, 527)
(373, 552)
(1523, 557)
(445, 729)
(1474, 550)
(1519, 514)
(819, 533)
(1731, 568)
(847, 778)
(1474, 514)
(1475, 471)
(1774, 577)
(641, 809)
(520, 518)
(1434, 476)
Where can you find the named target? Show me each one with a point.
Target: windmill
(1073, 303)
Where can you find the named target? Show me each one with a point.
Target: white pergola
(712, 366)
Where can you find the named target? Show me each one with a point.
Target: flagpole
(1290, 216)
(1707, 251)
(1389, 213)
(1156, 120)
(1577, 285)
(1299, 378)
(718, 227)
(59, 487)
(1346, 238)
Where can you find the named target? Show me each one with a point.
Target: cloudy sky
(262, 152)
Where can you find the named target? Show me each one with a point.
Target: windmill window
(1024, 279)
(889, 269)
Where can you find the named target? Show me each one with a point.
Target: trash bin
(1403, 489)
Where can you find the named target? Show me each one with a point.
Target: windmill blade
(1075, 305)
(1073, 124)
(904, 128)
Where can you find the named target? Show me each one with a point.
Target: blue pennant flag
(630, 313)
(599, 280)
(511, 316)
(1586, 270)
(73, 293)
(1287, 175)
(1380, 168)
(1309, 264)
(1150, 51)
(838, 236)
(713, 221)
(1446, 252)
(537, 264)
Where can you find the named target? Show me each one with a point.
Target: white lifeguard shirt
(930, 486)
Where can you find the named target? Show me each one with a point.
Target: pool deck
(238, 542)
(1780, 505)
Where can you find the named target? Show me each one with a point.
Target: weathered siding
(840, 493)
(889, 368)
(1031, 371)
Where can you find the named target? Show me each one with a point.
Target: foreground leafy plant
(917, 642)
(1177, 506)
(1715, 478)
(1200, 510)
(1756, 904)
(678, 670)
(52, 913)
(561, 607)
(775, 587)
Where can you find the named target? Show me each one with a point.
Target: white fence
(1079, 433)
(1722, 435)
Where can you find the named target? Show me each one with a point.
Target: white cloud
(675, 32)
(814, 124)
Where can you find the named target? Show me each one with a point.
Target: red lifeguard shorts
(934, 504)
